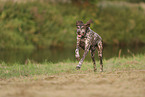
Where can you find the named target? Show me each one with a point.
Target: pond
(60, 55)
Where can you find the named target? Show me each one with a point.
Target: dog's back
(95, 38)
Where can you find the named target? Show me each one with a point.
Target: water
(60, 55)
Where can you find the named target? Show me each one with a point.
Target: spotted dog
(87, 39)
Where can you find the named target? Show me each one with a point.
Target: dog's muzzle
(80, 34)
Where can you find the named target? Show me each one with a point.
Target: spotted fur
(88, 40)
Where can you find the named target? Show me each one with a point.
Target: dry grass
(107, 84)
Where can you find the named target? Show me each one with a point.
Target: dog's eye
(82, 27)
(77, 27)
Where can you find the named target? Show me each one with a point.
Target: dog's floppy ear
(79, 23)
(89, 22)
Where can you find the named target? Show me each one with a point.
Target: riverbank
(122, 77)
(56, 55)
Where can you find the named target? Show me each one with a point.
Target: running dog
(87, 39)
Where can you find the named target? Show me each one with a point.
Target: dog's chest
(82, 43)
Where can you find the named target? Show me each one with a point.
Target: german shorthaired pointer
(87, 39)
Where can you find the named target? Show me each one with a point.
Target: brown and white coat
(87, 39)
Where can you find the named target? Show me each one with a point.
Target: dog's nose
(83, 32)
(78, 32)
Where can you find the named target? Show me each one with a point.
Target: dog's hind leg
(100, 54)
(93, 58)
(101, 64)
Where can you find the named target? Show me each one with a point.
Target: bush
(44, 24)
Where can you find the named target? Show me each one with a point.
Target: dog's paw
(78, 67)
(95, 70)
(101, 70)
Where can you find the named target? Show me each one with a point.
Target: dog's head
(82, 28)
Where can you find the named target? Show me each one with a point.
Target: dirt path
(107, 84)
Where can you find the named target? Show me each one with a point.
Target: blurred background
(45, 30)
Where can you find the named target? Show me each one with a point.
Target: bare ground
(86, 84)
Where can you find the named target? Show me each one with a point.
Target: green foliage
(132, 1)
(122, 24)
(44, 24)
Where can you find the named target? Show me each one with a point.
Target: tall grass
(32, 69)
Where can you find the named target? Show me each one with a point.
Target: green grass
(34, 69)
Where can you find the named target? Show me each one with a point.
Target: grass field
(122, 77)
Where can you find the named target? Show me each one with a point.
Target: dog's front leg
(87, 47)
(77, 55)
